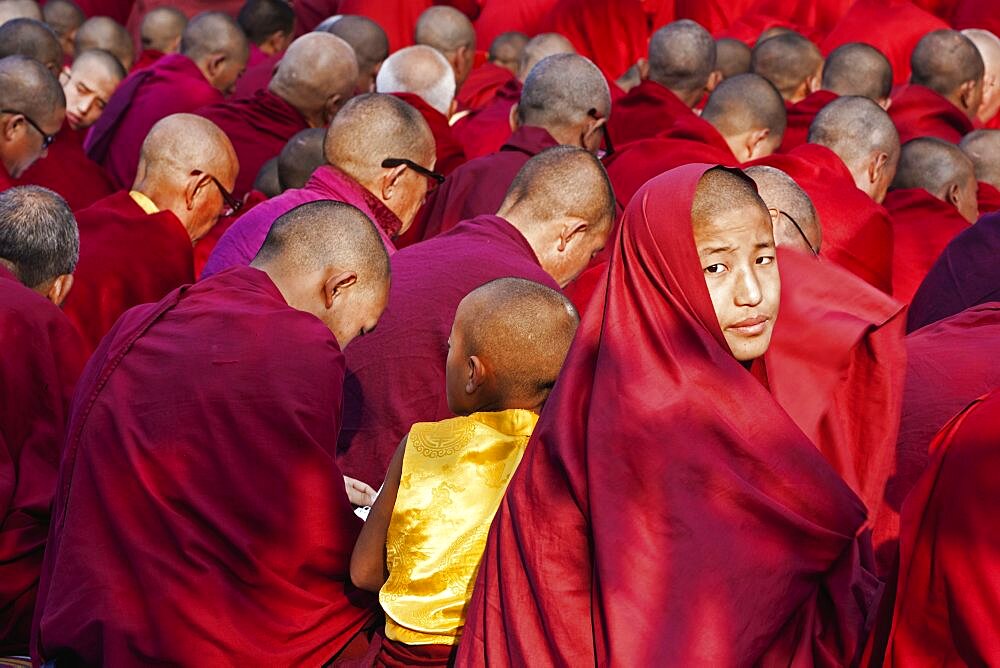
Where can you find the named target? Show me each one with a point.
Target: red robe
(920, 112)
(203, 249)
(119, 10)
(127, 257)
(714, 15)
(975, 14)
(5, 180)
(922, 225)
(43, 356)
(800, 117)
(397, 17)
(482, 85)
(147, 58)
(256, 79)
(449, 151)
(499, 16)
(201, 515)
(658, 459)
(173, 85)
(809, 17)
(483, 132)
(989, 198)
(67, 170)
(258, 128)
(612, 33)
(645, 111)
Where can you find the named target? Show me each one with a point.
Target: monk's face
(88, 89)
(23, 140)
(736, 250)
(356, 309)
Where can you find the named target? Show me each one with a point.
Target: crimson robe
(203, 249)
(482, 85)
(67, 170)
(127, 257)
(119, 10)
(146, 58)
(256, 79)
(173, 85)
(258, 128)
(645, 111)
(396, 374)
(449, 151)
(922, 225)
(484, 131)
(918, 111)
(310, 13)
(975, 14)
(667, 511)
(397, 17)
(499, 16)
(988, 197)
(809, 17)
(5, 179)
(43, 356)
(714, 15)
(800, 117)
(614, 34)
(201, 515)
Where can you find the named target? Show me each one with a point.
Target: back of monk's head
(539, 48)
(732, 57)
(161, 29)
(422, 71)
(793, 216)
(450, 32)
(327, 259)
(101, 32)
(509, 341)
(39, 241)
(370, 44)
(27, 91)
(682, 58)
(791, 62)
(749, 113)
(267, 182)
(317, 76)
(982, 147)
(268, 24)
(940, 168)
(300, 157)
(563, 204)
(988, 46)
(506, 50)
(865, 138)
(34, 39)
(947, 62)
(19, 9)
(64, 17)
(567, 95)
(858, 69)
(217, 45)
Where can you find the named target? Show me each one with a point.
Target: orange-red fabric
(499, 16)
(918, 111)
(800, 117)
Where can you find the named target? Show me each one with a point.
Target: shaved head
(39, 240)
(300, 157)
(539, 48)
(27, 90)
(947, 62)
(773, 31)
(101, 32)
(988, 46)
(260, 19)
(721, 190)
(560, 91)
(940, 168)
(162, 28)
(34, 39)
(267, 179)
(789, 61)
(681, 58)
(506, 50)
(982, 147)
(63, 16)
(91, 82)
(445, 29)
(422, 71)
(316, 76)
(370, 44)
(19, 9)
(743, 105)
(783, 195)
(858, 69)
(732, 57)
(217, 45)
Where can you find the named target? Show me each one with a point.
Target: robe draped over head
(204, 511)
(203, 249)
(645, 111)
(485, 131)
(68, 171)
(396, 374)
(800, 117)
(450, 153)
(614, 35)
(482, 85)
(657, 458)
(43, 356)
(256, 79)
(918, 111)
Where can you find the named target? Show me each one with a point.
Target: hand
(358, 492)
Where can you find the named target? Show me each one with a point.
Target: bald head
(101, 32)
(316, 76)
(370, 44)
(559, 94)
(267, 179)
(943, 170)
(790, 206)
(217, 45)
(791, 62)
(506, 50)
(732, 57)
(64, 17)
(539, 48)
(19, 9)
(300, 157)
(749, 113)
(451, 33)
(982, 147)
(162, 28)
(27, 91)
(39, 241)
(988, 46)
(947, 62)
(682, 58)
(263, 20)
(858, 69)
(34, 39)
(422, 71)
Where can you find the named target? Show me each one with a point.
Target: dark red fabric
(500, 16)
(43, 356)
(989, 199)
(857, 233)
(397, 17)
(5, 180)
(67, 170)
(256, 79)
(975, 14)
(203, 249)
(450, 154)
(645, 111)
(656, 460)
(146, 59)
(612, 33)
(920, 112)
(949, 589)
(173, 85)
(922, 225)
(394, 654)
(126, 258)
(714, 15)
(258, 128)
(204, 511)
(800, 117)
(483, 132)
(482, 85)
(809, 17)
(119, 10)
(310, 13)
(396, 374)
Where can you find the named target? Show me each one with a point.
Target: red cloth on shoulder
(483, 132)
(918, 111)
(449, 152)
(5, 179)
(800, 117)
(67, 170)
(975, 14)
(482, 85)
(989, 199)
(203, 249)
(499, 16)
(645, 111)
(714, 15)
(146, 58)
(612, 33)
(397, 17)
(256, 78)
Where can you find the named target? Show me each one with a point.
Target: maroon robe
(645, 111)
(256, 78)
(975, 14)
(449, 152)
(258, 128)
(5, 179)
(485, 131)
(482, 85)
(127, 257)
(800, 117)
(173, 85)
(396, 374)
(67, 170)
(988, 197)
(147, 58)
(201, 515)
(918, 111)
(43, 356)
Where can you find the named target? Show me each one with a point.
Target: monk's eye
(765, 259)
(715, 268)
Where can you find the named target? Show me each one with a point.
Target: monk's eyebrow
(716, 249)
(764, 244)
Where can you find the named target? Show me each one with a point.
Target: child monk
(425, 534)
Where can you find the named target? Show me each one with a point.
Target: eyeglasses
(47, 139)
(799, 228)
(232, 204)
(389, 163)
(608, 147)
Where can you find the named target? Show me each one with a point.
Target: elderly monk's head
(34, 39)
(422, 71)
(988, 46)
(507, 345)
(563, 204)
(735, 243)
(947, 62)
(370, 44)
(940, 168)
(861, 133)
(88, 86)
(19, 9)
(859, 69)
(791, 62)
(451, 33)
(101, 32)
(682, 59)
(567, 96)
(793, 216)
(506, 50)
(64, 17)
(538, 49)
(982, 147)
(749, 114)
(269, 24)
(161, 29)
(327, 259)
(316, 76)
(188, 166)
(376, 140)
(218, 47)
(39, 241)
(732, 57)
(33, 108)
(301, 156)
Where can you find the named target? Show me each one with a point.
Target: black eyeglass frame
(47, 139)
(609, 148)
(799, 229)
(389, 163)
(232, 203)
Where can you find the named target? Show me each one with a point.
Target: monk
(160, 35)
(565, 101)
(380, 154)
(852, 69)
(933, 199)
(43, 356)
(794, 219)
(371, 47)
(19, 9)
(269, 26)
(301, 156)
(202, 511)
(732, 57)
(34, 39)
(450, 32)
(314, 79)
(556, 216)
(500, 67)
(945, 89)
(65, 18)
(66, 169)
(213, 53)
(34, 109)
(101, 32)
(421, 77)
(982, 147)
(136, 245)
(791, 62)
(679, 73)
(988, 46)
(654, 396)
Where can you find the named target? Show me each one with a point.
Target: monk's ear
(755, 143)
(573, 229)
(333, 105)
(58, 289)
(775, 215)
(390, 181)
(885, 103)
(196, 184)
(335, 285)
(514, 119)
(967, 94)
(876, 168)
(714, 79)
(214, 64)
(476, 374)
(643, 65)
